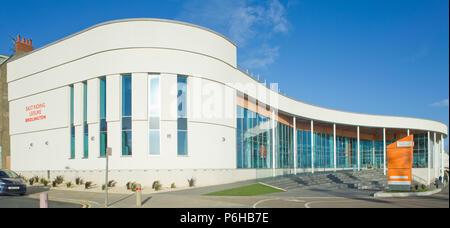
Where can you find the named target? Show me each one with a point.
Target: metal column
(273, 143)
(435, 158)
(373, 153)
(312, 146)
(429, 160)
(295, 146)
(334, 146)
(359, 149)
(384, 151)
(442, 156)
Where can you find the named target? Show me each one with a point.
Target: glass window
(154, 142)
(253, 140)
(154, 114)
(103, 143)
(304, 149)
(182, 143)
(72, 127)
(103, 122)
(126, 116)
(126, 143)
(126, 95)
(103, 98)
(182, 96)
(85, 128)
(420, 152)
(182, 115)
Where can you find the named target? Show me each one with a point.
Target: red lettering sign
(35, 112)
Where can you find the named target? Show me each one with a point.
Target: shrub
(31, 181)
(88, 184)
(78, 181)
(59, 179)
(112, 183)
(423, 186)
(69, 184)
(191, 182)
(54, 184)
(44, 182)
(154, 184)
(158, 187)
(133, 186)
(173, 185)
(103, 186)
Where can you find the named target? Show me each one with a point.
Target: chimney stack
(23, 45)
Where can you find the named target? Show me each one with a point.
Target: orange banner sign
(400, 160)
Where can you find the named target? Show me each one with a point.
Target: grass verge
(249, 190)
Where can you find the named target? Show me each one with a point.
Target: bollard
(43, 200)
(138, 195)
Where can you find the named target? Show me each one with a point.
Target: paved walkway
(299, 198)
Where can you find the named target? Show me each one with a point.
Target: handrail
(419, 179)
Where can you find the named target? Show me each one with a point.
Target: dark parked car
(11, 183)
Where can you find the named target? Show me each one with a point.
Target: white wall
(56, 111)
(139, 47)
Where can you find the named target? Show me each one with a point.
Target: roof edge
(14, 58)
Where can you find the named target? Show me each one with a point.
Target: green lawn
(249, 190)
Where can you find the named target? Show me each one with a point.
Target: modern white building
(170, 101)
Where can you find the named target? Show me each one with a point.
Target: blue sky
(371, 56)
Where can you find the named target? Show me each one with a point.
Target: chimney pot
(23, 45)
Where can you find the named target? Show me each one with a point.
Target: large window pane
(103, 143)
(126, 143)
(126, 95)
(103, 98)
(182, 115)
(103, 123)
(126, 115)
(182, 143)
(154, 142)
(126, 123)
(154, 114)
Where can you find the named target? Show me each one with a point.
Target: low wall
(203, 177)
(421, 175)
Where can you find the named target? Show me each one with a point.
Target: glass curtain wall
(72, 126)
(323, 150)
(126, 116)
(346, 152)
(254, 140)
(154, 114)
(303, 149)
(379, 159)
(366, 153)
(285, 143)
(103, 123)
(85, 125)
(182, 141)
(420, 152)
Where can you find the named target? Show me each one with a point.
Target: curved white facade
(139, 47)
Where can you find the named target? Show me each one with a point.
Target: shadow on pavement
(36, 189)
(121, 199)
(146, 200)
